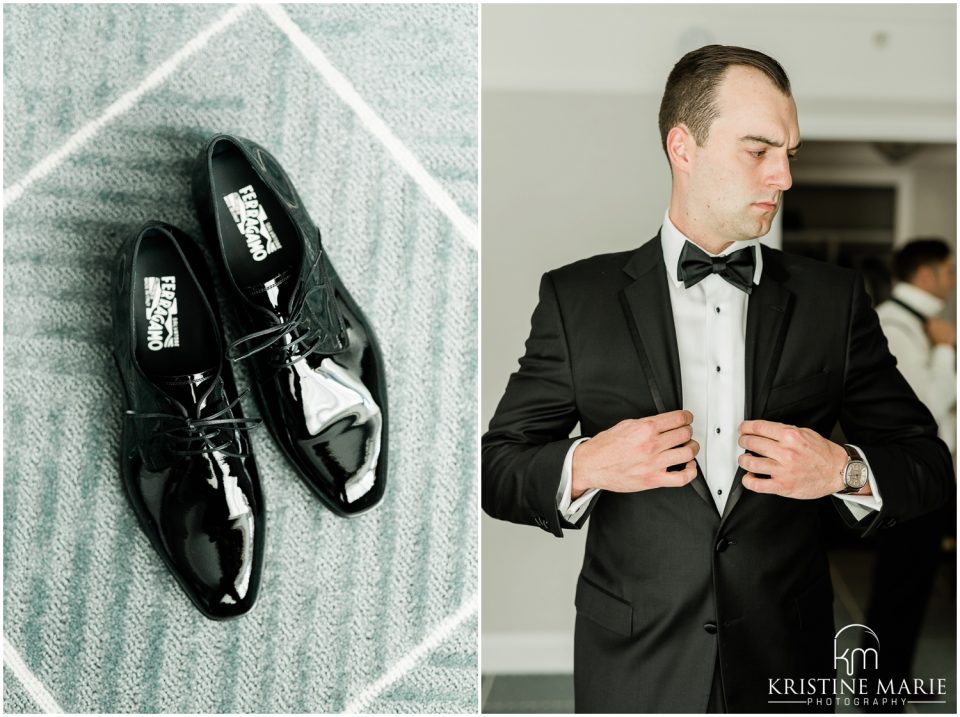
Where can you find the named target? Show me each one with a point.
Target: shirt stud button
(718, 430)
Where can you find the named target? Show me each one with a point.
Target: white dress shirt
(931, 371)
(711, 325)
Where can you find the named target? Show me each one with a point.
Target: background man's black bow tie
(737, 267)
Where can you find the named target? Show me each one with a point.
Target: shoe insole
(258, 236)
(174, 329)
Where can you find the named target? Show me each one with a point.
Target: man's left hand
(801, 463)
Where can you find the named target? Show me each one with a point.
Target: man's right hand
(941, 331)
(634, 455)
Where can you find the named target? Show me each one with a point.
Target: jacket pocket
(787, 394)
(601, 607)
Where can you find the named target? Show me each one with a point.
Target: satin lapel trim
(650, 317)
(649, 312)
(699, 484)
(735, 492)
(768, 317)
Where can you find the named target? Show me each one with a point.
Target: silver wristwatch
(854, 473)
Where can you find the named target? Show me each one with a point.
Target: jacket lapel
(646, 302)
(768, 316)
(649, 313)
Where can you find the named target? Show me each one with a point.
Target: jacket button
(723, 544)
(710, 627)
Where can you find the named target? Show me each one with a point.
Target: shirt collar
(672, 240)
(916, 298)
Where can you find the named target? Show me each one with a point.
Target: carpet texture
(375, 613)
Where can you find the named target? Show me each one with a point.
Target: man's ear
(680, 148)
(923, 277)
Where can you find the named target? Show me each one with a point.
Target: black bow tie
(736, 268)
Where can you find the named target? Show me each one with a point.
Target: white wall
(561, 180)
(863, 71)
(572, 166)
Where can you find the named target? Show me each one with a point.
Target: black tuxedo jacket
(668, 585)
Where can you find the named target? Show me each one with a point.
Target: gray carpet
(375, 613)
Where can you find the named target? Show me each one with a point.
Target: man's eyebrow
(764, 140)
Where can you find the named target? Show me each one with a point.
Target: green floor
(105, 108)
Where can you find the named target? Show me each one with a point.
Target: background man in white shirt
(706, 372)
(924, 344)
(909, 554)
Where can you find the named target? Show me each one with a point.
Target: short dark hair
(922, 251)
(690, 95)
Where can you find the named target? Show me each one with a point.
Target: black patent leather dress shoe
(317, 369)
(185, 457)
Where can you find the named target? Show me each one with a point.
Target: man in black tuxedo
(705, 372)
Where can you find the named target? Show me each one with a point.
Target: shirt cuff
(943, 358)
(572, 510)
(860, 506)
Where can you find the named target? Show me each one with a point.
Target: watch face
(856, 474)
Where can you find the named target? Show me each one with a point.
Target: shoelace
(311, 339)
(188, 430)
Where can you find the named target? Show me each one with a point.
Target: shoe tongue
(187, 389)
(274, 294)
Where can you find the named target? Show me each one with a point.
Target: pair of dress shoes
(314, 365)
